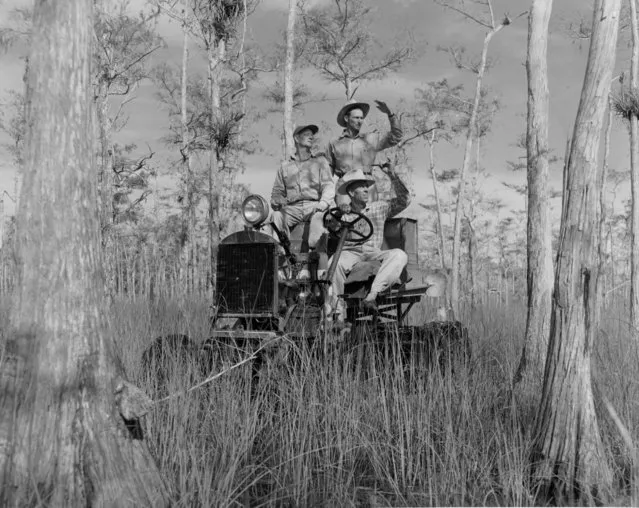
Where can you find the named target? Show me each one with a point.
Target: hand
(388, 167)
(321, 207)
(383, 107)
(277, 204)
(345, 208)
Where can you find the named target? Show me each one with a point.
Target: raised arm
(402, 195)
(392, 137)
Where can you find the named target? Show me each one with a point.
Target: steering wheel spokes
(360, 228)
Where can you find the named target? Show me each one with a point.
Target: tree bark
(106, 184)
(634, 177)
(348, 88)
(471, 265)
(461, 194)
(106, 157)
(189, 205)
(289, 145)
(539, 235)
(603, 233)
(568, 450)
(216, 53)
(438, 206)
(63, 439)
(243, 74)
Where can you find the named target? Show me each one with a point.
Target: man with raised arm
(356, 185)
(355, 149)
(303, 186)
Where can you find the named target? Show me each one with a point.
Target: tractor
(260, 297)
(258, 281)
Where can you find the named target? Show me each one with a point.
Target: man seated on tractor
(304, 186)
(356, 185)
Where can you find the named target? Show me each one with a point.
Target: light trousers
(291, 215)
(393, 263)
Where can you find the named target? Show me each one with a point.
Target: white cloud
(282, 5)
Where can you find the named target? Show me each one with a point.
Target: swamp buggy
(260, 297)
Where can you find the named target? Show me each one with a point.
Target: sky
(433, 27)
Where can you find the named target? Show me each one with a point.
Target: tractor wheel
(303, 320)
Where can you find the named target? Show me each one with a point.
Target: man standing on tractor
(354, 149)
(303, 186)
(356, 184)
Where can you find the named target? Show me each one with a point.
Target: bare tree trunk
(3, 256)
(105, 180)
(189, 205)
(470, 136)
(243, 79)
(539, 236)
(2, 225)
(603, 236)
(471, 265)
(348, 89)
(438, 206)
(634, 177)
(289, 146)
(215, 56)
(613, 261)
(568, 450)
(63, 437)
(106, 184)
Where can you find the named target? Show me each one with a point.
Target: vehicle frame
(269, 308)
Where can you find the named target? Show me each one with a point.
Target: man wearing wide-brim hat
(356, 184)
(303, 186)
(355, 149)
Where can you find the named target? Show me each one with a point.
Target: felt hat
(347, 109)
(313, 128)
(353, 176)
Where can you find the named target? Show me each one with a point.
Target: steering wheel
(355, 236)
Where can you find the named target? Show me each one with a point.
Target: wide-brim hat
(313, 128)
(356, 175)
(347, 109)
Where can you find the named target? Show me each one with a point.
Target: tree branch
(404, 142)
(464, 13)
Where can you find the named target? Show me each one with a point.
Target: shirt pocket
(291, 179)
(313, 175)
(309, 183)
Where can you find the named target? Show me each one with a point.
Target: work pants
(389, 273)
(291, 215)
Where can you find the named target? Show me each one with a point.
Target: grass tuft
(355, 429)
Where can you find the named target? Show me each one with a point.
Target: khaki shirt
(310, 180)
(347, 153)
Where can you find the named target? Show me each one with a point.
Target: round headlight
(255, 210)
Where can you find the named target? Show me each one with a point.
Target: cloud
(282, 5)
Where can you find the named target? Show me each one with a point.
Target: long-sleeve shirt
(308, 180)
(378, 212)
(347, 153)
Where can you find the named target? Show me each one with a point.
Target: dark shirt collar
(366, 208)
(345, 134)
(313, 155)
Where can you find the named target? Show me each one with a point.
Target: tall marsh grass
(321, 430)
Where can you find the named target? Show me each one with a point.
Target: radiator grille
(246, 275)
